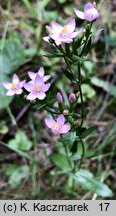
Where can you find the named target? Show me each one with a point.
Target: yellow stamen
(36, 88)
(14, 86)
(64, 29)
(56, 126)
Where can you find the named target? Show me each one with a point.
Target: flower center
(56, 126)
(36, 88)
(64, 30)
(14, 86)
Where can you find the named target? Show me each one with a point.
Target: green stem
(83, 153)
(87, 38)
(12, 117)
(81, 94)
(34, 165)
(64, 145)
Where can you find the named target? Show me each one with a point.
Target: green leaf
(39, 105)
(14, 53)
(3, 127)
(86, 81)
(11, 57)
(87, 132)
(74, 147)
(76, 59)
(18, 175)
(54, 54)
(87, 48)
(51, 110)
(5, 64)
(40, 6)
(20, 142)
(10, 169)
(61, 161)
(89, 182)
(69, 75)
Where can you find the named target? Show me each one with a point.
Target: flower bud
(76, 122)
(55, 104)
(78, 94)
(59, 97)
(72, 97)
(48, 30)
(94, 3)
(65, 112)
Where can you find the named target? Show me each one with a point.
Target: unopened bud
(76, 122)
(78, 94)
(59, 97)
(94, 4)
(55, 104)
(72, 97)
(65, 112)
(48, 29)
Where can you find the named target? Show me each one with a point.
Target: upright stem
(34, 165)
(64, 145)
(83, 152)
(81, 95)
(12, 117)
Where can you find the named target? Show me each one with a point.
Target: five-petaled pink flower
(37, 88)
(41, 73)
(58, 126)
(63, 34)
(15, 87)
(90, 12)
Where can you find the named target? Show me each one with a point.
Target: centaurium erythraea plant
(78, 47)
(73, 53)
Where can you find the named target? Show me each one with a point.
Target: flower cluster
(38, 84)
(36, 87)
(65, 34)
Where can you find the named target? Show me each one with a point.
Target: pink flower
(59, 97)
(15, 87)
(90, 12)
(72, 97)
(41, 73)
(58, 126)
(37, 88)
(63, 34)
